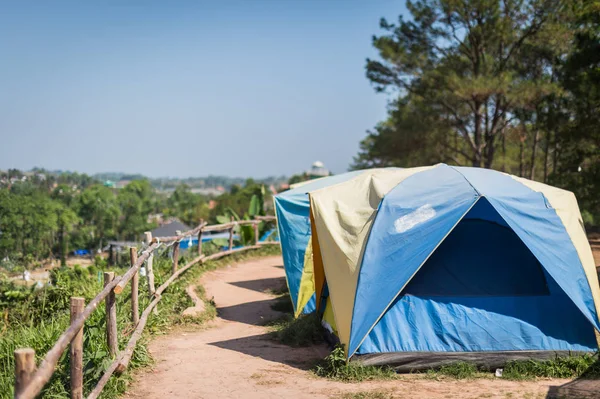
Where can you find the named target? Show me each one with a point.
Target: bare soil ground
(234, 356)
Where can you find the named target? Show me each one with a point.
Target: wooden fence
(30, 381)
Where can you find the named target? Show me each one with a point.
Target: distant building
(215, 192)
(318, 170)
(122, 183)
(170, 229)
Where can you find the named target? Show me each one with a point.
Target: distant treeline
(160, 183)
(166, 183)
(505, 84)
(44, 215)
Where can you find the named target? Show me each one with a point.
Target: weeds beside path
(236, 356)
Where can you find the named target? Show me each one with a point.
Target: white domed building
(318, 170)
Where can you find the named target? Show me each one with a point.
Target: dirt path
(235, 358)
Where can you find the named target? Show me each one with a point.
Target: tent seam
(367, 243)
(546, 201)
(335, 319)
(467, 180)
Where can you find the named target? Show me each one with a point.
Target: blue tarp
(191, 241)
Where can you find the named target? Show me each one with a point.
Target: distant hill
(213, 181)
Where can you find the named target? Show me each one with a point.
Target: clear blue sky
(178, 88)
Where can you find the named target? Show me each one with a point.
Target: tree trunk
(555, 152)
(63, 246)
(533, 154)
(503, 168)
(521, 155)
(490, 151)
(546, 150)
(478, 156)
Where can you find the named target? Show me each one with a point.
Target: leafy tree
(460, 63)
(65, 194)
(187, 206)
(238, 199)
(579, 143)
(411, 136)
(29, 222)
(66, 220)
(136, 202)
(99, 211)
(505, 84)
(255, 208)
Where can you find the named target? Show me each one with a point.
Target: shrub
(283, 304)
(335, 367)
(587, 366)
(304, 331)
(458, 370)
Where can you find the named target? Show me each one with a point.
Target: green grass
(306, 330)
(458, 370)
(37, 318)
(585, 366)
(365, 395)
(334, 367)
(277, 291)
(283, 304)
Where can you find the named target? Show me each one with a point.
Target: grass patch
(334, 367)
(366, 395)
(283, 304)
(36, 318)
(306, 330)
(585, 366)
(458, 371)
(283, 290)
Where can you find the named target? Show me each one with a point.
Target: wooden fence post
(111, 317)
(76, 351)
(135, 284)
(200, 238)
(231, 235)
(150, 271)
(149, 266)
(256, 237)
(24, 369)
(176, 253)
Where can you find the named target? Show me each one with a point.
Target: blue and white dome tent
(435, 264)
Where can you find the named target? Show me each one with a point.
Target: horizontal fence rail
(30, 381)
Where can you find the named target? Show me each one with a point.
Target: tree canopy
(504, 84)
